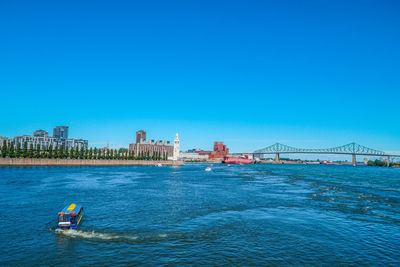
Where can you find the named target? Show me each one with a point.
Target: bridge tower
(354, 161)
(277, 157)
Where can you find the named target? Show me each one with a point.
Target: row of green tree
(12, 150)
(379, 163)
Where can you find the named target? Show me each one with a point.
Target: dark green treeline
(381, 163)
(12, 150)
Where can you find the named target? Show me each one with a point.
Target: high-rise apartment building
(60, 132)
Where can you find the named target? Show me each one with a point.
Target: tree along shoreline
(32, 162)
(11, 150)
(381, 163)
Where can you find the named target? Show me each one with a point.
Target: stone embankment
(84, 162)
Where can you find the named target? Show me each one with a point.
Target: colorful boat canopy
(71, 208)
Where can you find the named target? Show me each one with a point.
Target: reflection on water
(233, 215)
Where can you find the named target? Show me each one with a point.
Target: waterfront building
(41, 138)
(60, 132)
(220, 151)
(75, 143)
(176, 148)
(143, 147)
(188, 156)
(3, 138)
(44, 142)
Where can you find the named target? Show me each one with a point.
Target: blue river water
(232, 215)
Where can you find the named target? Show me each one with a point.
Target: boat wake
(112, 236)
(93, 235)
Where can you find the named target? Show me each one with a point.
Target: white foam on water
(107, 236)
(87, 234)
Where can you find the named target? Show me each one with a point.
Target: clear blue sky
(250, 73)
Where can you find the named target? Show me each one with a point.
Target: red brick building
(220, 151)
(150, 147)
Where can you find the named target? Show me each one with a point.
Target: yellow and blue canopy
(71, 208)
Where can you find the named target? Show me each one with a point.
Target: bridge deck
(337, 153)
(349, 149)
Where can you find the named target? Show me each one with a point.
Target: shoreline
(16, 162)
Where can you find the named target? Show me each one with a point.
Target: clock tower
(176, 148)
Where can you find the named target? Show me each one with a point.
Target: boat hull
(236, 160)
(71, 226)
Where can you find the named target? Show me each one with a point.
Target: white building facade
(3, 138)
(193, 156)
(45, 142)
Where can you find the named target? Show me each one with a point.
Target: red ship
(238, 160)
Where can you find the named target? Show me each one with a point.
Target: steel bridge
(353, 149)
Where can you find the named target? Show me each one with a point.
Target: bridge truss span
(352, 148)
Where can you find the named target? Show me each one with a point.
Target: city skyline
(141, 137)
(308, 75)
(40, 139)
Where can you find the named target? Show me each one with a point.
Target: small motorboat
(70, 217)
(208, 169)
(159, 165)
